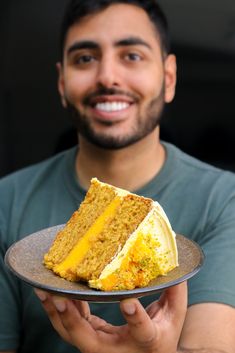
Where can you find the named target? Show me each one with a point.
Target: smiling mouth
(110, 107)
(108, 101)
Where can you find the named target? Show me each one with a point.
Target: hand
(154, 330)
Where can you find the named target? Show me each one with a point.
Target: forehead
(116, 22)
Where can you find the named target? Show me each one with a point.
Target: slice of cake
(116, 240)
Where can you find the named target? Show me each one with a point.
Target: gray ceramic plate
(24, 258)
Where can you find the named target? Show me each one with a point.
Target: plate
(24, 259)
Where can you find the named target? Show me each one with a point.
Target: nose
(109, 73)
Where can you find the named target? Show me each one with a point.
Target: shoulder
(33, 184)
(203, 191)
(198, 171)
(35, 197)
(42, 170)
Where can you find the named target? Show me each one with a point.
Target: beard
(142, 127)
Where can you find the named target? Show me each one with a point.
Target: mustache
(103, 91)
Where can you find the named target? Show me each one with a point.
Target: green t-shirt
(198, 199)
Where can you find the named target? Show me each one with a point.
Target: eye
(133, 57)
(84, 59)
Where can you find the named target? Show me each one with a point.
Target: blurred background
(201, 120)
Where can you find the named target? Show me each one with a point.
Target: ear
(170, 69)
(60, 84)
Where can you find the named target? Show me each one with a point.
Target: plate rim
(94, 295)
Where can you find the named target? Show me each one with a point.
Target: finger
(95, 321)
(100, 324)
(140, 325)
(42, 295)
(83, 308)
(52, 313)
(80, 331)
(175, 299)
(174, 307)
(154, 310)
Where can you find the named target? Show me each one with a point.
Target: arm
(208, 328)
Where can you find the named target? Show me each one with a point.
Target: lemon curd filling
(68, 266)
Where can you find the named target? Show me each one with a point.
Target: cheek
(147, 85)
(77, 86)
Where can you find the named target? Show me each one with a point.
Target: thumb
(140, 325)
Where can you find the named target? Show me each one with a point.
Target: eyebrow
(89, 44)
(132, 41)
(83, 44)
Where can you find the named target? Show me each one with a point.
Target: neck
(128, 168)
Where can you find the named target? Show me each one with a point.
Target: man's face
(114, 78)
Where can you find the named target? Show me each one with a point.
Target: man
(115, 76)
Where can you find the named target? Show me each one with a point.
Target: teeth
(111, 106)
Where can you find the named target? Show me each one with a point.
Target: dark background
(201, 120)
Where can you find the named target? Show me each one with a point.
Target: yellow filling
(79, 251)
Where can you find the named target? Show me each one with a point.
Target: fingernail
(129, 308)
(41, 295)
(59, 304)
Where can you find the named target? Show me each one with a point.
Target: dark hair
(78, 9)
